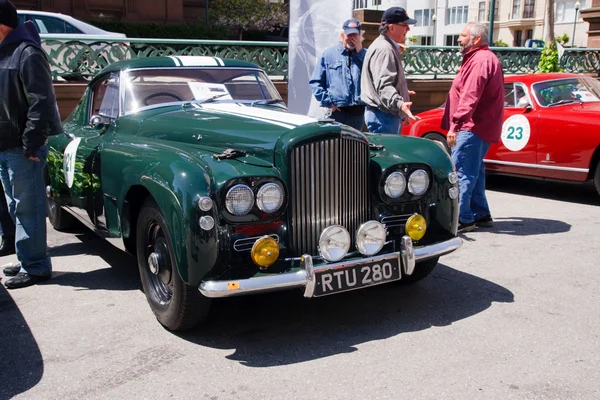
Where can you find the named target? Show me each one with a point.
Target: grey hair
(384, 28)
(481, 30)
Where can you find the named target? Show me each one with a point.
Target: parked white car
(49, 23)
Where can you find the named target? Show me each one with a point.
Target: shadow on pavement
(552, 190)
(284, 328)
(21, 363)
(122, 275)
(520, 226)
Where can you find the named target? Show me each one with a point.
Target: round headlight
(205, 203)
(370, 238)
(269, 197)
(453, 192)
(334, 243)
(453, 177)
(239, 200)
(395, 185)
(418, 182)
(206, 222)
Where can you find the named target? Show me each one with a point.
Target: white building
(439, 22)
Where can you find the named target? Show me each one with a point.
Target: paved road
(515, 314)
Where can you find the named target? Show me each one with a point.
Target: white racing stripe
(277, 117)
(197, 61)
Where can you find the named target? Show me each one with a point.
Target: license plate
(357, 276)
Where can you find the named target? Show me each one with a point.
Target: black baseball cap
(394, 15)
(8, 14)
(351, 26)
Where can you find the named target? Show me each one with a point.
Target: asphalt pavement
(514, 314)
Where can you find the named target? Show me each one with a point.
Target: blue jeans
(467, 156)
(346, 118)
(381, 122)
(23, 182)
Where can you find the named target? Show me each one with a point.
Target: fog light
(265, 252)
(370, 238)
(453, 192)
(205, 203)
(453, 177)
(206, 223)
(334, 243)
(416, 226)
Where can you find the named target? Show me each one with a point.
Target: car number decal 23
(515, 132)
(69, 161)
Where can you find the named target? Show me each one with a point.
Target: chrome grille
(395, 220)
(329, 186)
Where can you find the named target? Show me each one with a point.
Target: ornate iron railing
(82, 57)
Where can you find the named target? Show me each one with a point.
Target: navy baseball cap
(394, 15)
(351, 26)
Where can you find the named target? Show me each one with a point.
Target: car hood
(588, 108)
(215, 127)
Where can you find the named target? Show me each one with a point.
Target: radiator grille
(329, 186)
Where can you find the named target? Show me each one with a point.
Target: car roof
(174, 61)
(88, 29)
(530, 79)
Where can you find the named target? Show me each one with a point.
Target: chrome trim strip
(305, 277)
(536, 166)
(247, 243)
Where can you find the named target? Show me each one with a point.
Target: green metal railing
(73, 58)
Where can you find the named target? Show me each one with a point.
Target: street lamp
(434, 19)
(577, 5)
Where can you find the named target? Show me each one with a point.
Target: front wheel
(439, 139)
(176, 305)
(422, 270)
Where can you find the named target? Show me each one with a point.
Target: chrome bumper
(305, 277)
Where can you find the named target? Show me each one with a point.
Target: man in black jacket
(28, 115)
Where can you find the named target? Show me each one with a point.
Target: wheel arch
(594, 162)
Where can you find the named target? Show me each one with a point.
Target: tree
(549, 22)
(549, 60)
(244, 15)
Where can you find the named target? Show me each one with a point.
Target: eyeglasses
(402, 24)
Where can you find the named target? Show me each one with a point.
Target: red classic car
(551, 128)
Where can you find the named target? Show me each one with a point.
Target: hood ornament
(230, 154)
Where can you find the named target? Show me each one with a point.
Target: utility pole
(492, 17)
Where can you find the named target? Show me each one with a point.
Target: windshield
(565, 91)
(151, 87)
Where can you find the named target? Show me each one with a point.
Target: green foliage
(563, 39)
(243, 15)
(412, 39)
(163, 31)
(500, 43)
(549, 59)
(83, 183)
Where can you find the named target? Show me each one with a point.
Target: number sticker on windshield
(69, 161)
(515, 132)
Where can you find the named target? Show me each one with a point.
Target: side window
(509, 95)
(105, 98)
(21, 18)
(49, 24)
(521, 97)
(71, 29)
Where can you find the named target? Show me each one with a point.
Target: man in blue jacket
(335, 81)
(28, 115)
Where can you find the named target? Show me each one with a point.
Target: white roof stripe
(234, 109)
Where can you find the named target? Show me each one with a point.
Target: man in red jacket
(473, 116)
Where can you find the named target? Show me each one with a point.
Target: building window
(376, 2)
(360, 4)
(516, 10)
(457, 15)
(481, 16)
(518, 39)
(423, 17)
(565, 10)
(529, 9)
(496, 16)
(425, 40)
(529, 34)
(451, 40)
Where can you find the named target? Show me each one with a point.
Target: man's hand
(334, 108)
(411, 92)
(355, 40)
(451, 139)
(36, 159)
(406, 110)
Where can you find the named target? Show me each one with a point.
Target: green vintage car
(194, 166)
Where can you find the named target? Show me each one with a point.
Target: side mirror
(97, 122)
(528, 108)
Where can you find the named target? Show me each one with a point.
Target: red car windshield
(568, 90)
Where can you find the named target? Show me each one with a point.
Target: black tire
(59, 218)
(597, 177)
(176, 305)
(439, 139)
(422, 270)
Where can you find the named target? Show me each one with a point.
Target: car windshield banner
(314, 26)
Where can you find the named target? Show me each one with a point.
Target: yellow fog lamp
(416, 226)
(265, 252)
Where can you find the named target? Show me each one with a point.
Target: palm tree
(549, 21)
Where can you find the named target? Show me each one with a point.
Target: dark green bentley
(193, 165)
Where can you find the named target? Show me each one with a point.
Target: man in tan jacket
(383, 83)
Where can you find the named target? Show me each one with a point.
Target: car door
(516, 151)
(82, 167)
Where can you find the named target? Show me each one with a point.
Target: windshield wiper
(211, 98)
(267, 102)
(561, 102)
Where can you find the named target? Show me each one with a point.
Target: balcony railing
(82, 58)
